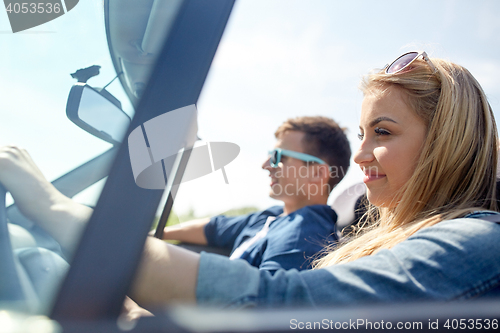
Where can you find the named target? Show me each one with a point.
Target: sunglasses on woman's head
(276, 153)
(405, 60)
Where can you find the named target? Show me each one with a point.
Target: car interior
(161, 52)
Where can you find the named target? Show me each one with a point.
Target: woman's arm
(167, 273)
(422, 268)
(39, 200)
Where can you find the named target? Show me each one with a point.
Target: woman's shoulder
(477, 227)
(481, 219)
(488, 215)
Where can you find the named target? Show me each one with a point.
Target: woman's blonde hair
(456, 171)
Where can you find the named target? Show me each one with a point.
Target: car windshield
(36, 68)
(36, 80)
(277, 60)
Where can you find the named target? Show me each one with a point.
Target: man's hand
(38, 199)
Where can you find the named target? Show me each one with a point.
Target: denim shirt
(452, 260)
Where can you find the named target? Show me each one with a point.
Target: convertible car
(160, 52)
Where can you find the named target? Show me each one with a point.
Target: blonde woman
(429, 154)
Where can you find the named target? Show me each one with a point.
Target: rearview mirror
(97, 112)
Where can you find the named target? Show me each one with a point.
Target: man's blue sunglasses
(276, 153)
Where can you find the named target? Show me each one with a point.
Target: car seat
(350, 207)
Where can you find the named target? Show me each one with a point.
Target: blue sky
(278, 59)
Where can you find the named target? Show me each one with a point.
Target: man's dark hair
(325, 139)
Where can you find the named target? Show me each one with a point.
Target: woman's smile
(372, 174)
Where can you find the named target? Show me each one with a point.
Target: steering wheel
(10, 286)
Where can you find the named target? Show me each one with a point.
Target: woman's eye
(381, 131)
(361, 136)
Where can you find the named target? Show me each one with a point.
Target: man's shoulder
(271, 211)
(315, 218)
(255, 218)
(324, 210)
(317, 211)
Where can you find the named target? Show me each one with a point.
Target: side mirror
(97, 112)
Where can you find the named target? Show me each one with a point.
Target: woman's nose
(364, 154)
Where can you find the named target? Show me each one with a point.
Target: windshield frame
(104, 264)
